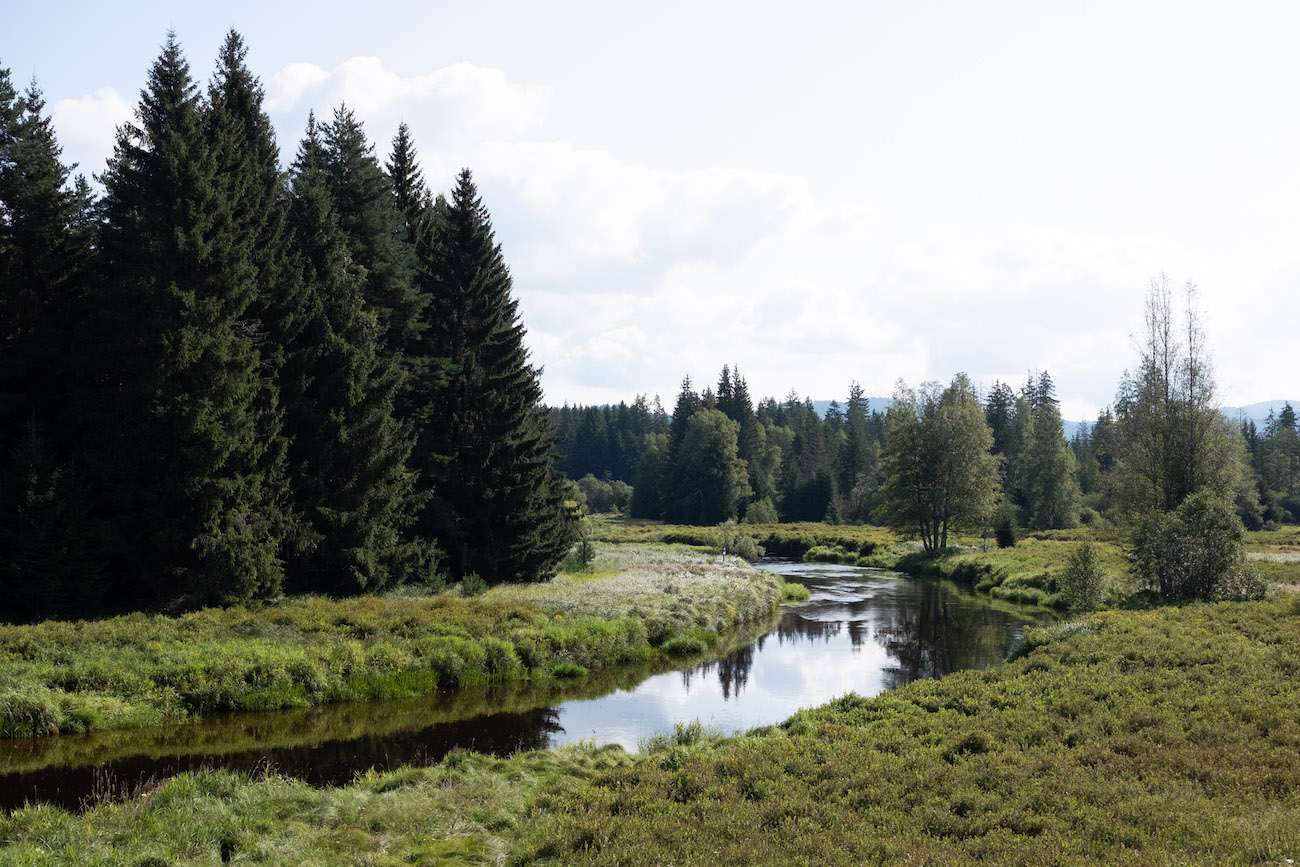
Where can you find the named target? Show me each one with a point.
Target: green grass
(1025, 574)
(1146, 737)
(779, 540)
(1161, 737)
(794, 592)
(139, 670)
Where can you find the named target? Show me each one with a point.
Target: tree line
(222, 379)
(944, 458)
(720, 456)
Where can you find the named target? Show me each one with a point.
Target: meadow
(1026, 573)
(635, 606)
(1146, 737)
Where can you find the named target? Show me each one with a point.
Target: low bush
(1186, 553)
(1083, 584)
(564, 669)
(830, 554)
(733, 541)
(794, 592)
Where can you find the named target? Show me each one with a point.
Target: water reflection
(860, 631)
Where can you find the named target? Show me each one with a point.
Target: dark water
(861, 631)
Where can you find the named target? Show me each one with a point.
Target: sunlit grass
(1161, 737)
(148, 669)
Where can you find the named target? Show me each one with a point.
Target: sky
(819, 193)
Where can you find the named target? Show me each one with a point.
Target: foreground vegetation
(1154, 737)
(638, 604)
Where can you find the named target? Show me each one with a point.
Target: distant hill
(1256, 412)
(874, 404)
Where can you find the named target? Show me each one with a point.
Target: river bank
(1155, 737)
(1024, 574)
(639, 603)
(857, 630)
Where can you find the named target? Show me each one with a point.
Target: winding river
(861, 630)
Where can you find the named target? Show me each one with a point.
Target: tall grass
(64, 678)
(1162, 737)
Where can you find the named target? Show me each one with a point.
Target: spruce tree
(188, 454)
(857, 459)
(374, 229)
(498, 503)
(688, 403)
(44, 251)
(349, 453)
(49, 562)
(648, 478)
(1046, 472)
(50, 547)
(245, 148)
(410, 192)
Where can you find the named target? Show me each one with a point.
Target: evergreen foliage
(411, 194)
(711, 479)
(349, 451)
(374, 228)
(498, 504)
(181, 382)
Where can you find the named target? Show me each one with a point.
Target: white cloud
(86, 126)
(632, 274)
(289, 84)
(460, 103)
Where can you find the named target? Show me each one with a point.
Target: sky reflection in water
(861, 631)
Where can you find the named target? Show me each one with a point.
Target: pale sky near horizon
(820, 193)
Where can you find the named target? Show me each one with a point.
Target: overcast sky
(820, 192)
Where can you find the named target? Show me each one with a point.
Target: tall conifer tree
(349, 452)
(49, 565)
(410, 192)
(498, 503)
(374, 229)
(245, 148)
(44, 251)
(188, 452)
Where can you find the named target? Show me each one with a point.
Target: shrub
(737, 543)
(1004, 528)
(472, 585)
(604, 496)
(1082, 583)
(683, 645)
(1240, 585)
(761, 512)
(1186, 553)
(830, 554)
(585, 553)
(794, 592)
(565, 669)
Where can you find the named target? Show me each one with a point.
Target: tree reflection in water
(860, 631)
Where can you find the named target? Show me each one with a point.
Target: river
(861, 630)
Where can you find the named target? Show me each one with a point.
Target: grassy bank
(1156, 737)
(791, 541)
(1026, 573)
(638, 604)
